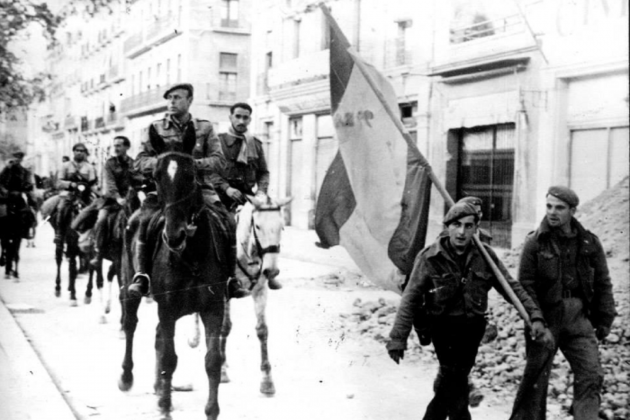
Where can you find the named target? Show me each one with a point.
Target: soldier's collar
(170, 121)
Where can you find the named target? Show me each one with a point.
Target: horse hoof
(267, 388)
(73, 303)
(7, 276)
(125, 386)
(87, 300)
(108, 308)
(102, 319)
(57, 293)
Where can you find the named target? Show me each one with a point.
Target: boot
(141, 280)
(234, 287)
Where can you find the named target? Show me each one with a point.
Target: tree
(16, 16)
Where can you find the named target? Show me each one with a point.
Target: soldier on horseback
(246, 167)
(75, 179)
(210, 164)
(117, 179)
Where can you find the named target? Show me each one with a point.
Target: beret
(565, 194)
(76, 146)
(185, 86)
(459, 210)
(475, 201)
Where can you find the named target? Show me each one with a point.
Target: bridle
(271, 249)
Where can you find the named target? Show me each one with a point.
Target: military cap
(475, 201)
(459, 210)
(82, 146)
(186, 86)
(565, 194)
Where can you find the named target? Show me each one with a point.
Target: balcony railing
(150, 98)
(112, 73)
(486, 28)
(70, 121)
(133, 42)
(99, 122)
(159, 25)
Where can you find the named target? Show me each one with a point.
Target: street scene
(351, 209)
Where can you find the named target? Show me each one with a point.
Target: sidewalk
(26, 389)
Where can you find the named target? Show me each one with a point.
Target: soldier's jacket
(207, 152)
(439, 287)
(72, 171)
(15, 178)
(238, 174)
(117, 177)
(539, 272)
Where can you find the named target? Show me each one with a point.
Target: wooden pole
(434, 179)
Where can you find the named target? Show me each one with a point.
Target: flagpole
(423, 161)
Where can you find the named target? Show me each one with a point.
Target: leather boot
(141, 280)
(234, 287)
(274, 284)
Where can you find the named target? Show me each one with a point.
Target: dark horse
(13, 227)
(188, 272)
(116, 224)
(67, 239)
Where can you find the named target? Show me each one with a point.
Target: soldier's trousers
(456, 340)
(574, 336)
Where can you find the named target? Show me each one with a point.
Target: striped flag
(374, 199)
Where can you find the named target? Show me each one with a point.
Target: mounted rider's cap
(459, 210)
(186, 86)
(81, 146)
(565, 194)
(475, 201)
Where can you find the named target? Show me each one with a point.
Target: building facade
(110, 70)
(503, 98)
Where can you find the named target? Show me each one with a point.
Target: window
(599, 159)
(227, 61)
(227, 86)
(158, 74)
(229, 13)
(179, 67)
(267, 139)
(133, 84)
(149, 78)
(296, 38)
(168, 71)
(140, 82)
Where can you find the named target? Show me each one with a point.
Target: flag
(374, 199)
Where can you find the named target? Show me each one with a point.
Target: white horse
(259, 225)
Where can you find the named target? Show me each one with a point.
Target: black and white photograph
(301, 210)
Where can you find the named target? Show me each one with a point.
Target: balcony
(158, 32)
(133, 42)
(143, 102)
(99, 122)
(85, 124)
(112, 73)
(481, 42)
(311, 67)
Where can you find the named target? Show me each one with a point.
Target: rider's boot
(234, 287)
(141, 280)
(274, 284)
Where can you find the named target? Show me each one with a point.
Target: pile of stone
(501, 358)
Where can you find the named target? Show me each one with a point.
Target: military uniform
(567, 275)
(451, 291)
(246, 166)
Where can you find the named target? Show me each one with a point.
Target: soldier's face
(119, 148)
(461, 231)
(240, 119)
(178, 102)
(559, 213)
(79, 154)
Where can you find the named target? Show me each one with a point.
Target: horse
(67, 239)
(188, 272)
(258, 234)
(14, 226)
(116, 224)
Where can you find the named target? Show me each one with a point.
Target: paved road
(318, 372)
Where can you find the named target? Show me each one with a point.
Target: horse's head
(259, 231)
(175, 176)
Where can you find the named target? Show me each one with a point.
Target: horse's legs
(58, 260)
(165, 360)
(213, 321)
(88, 291)
(260, 303)
(112, 272)
(9, 258)
(129, 323)
(226, 328)
(73, 254)
(16, 258)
